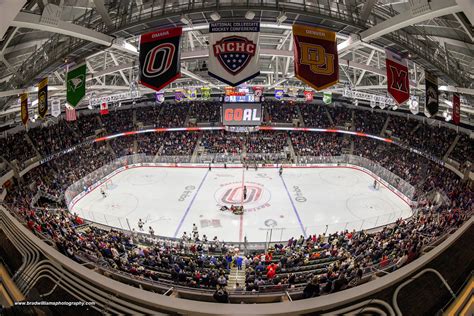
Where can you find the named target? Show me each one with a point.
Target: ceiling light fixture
(215, 16)
(281, 17)
(185, 20)
(249, 15)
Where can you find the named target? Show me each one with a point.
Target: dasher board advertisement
(241, 114)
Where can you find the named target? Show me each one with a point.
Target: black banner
(159, 58)
(431, 86)
(43, 97)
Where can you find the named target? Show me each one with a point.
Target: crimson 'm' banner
(316, 61)
(159, 58)
(398, 84)
(456, 109)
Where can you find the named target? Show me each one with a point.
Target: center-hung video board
(241, 114)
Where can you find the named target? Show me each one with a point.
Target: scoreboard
(241, 114)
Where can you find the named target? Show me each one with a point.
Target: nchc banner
(234, 51)
(241, 114)
(43, 97)
(316, 61)
(398, 85)
(159, 58)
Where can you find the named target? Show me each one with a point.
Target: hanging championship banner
(160, 58)
(104, 108)
(308, 96)
(456, 108)
(373, 103)
(76, 85)
(24, 108)
(293, 92)
(316, 62)
(431, 87)
(205, 93)
(55, 108)
(258, 91)
(279, 93)
(43, 97)
(191, 94)
(234, 51)
(159, 97)
(70, 114)
(179, 95)
(414, 105)
(398, 85)
(327, 97)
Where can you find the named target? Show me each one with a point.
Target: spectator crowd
(317, 264)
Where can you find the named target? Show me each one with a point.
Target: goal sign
(243, 114)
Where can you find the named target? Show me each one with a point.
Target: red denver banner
(316, 61)
(456, 109)
(398, 84)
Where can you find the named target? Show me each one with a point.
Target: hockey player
(140, 224)
(245, 192)
(104, 195)
(280, 171)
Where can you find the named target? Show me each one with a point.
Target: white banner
(234, 51)
(55, 107)
(348, 93)
(115, 97)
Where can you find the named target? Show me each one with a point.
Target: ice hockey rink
(300, 202)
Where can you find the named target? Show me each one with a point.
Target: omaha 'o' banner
(316, 61)
(159, 58)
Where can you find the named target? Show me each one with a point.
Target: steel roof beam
(99, 5)
(437, 8)
(32, 21)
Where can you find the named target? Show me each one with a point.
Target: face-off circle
(232, 193)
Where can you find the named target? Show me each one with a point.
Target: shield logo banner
(233, 51)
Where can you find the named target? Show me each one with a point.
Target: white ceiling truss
(104, 33)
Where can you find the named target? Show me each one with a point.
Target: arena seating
(339, 260)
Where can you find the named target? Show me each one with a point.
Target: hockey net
(108, 185)
(376, 185)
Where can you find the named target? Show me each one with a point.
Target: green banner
(327, 97)
(76, 85)
(205, 93)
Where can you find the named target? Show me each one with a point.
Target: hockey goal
(108, 185)
(376, 185)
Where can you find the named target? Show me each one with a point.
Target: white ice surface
(302, 201)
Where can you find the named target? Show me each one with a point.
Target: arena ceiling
(38, 42)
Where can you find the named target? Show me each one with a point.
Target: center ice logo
(236, 195)
(233, 194)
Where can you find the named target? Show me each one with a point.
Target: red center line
(241, 229)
